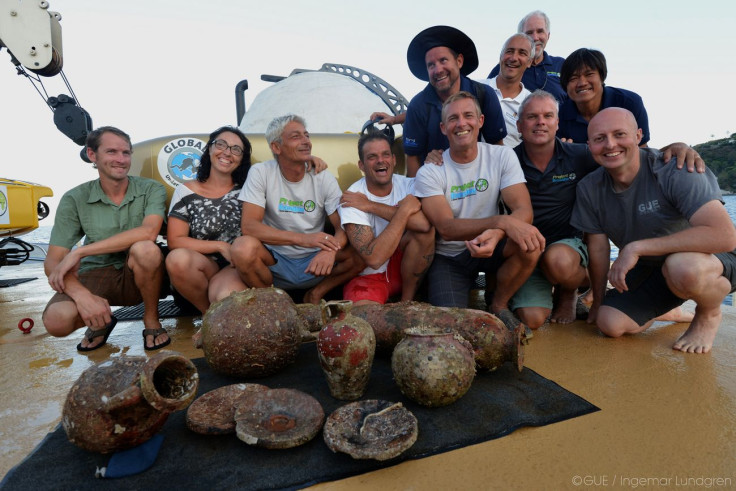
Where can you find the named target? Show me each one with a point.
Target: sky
(165, 67)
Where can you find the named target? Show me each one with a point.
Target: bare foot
(676, 315)
(700, 335)
(312, 297)
(564, 311)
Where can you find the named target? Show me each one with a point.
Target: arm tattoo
(361, 236)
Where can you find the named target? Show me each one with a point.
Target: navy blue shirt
(545, 76)
(422, 132)
(573, 125)
(553, 191)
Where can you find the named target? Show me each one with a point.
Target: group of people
(500, 180)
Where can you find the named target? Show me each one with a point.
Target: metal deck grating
(15, 281)
(166, 308)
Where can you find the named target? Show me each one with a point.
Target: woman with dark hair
(204, 220)
(583, 75)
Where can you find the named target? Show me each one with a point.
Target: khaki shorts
(537, 290)
(117, 286)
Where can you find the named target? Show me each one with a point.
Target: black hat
(435, 36)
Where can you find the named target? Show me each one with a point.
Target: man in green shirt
(120, 217)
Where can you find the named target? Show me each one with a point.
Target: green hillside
(720, 156)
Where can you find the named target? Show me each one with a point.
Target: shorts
(648, 295)
(537, 290)
(117, 286)
(377, 287)
(450, 278)
(288, 273)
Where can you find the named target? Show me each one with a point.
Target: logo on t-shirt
(294, 206)
(468, 189)
(564, 177)
(650, 207)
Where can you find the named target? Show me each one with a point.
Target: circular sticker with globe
(179, 159)
(481, 185)
(309, 206)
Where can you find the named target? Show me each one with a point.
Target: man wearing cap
(545, 70)
(444, 56)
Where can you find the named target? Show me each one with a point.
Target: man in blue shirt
(444, 56)
(583, 75)
(545, 70)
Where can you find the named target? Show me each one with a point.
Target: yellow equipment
(20, 206)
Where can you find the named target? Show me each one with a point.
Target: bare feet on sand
(676, 315)
(700, 335)
(564, 311)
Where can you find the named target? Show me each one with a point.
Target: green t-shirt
(85, 211)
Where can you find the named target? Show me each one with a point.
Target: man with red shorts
(384, 223)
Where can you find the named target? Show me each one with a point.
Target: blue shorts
(450, 278)
(288, 273)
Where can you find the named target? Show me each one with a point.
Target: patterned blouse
(208, 218)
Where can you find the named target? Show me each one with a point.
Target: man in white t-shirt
(384, 223)
(516, 56)
(461, 200)
(284, 213)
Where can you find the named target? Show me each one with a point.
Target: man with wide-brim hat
(444, 57)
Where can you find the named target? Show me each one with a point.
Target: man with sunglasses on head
(284, 211)
(544, 73)
(119, 263)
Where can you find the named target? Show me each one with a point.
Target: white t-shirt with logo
(471, 189)
(295, 206)
(401, 186)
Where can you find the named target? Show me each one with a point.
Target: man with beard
(444, 57)
(384, 223)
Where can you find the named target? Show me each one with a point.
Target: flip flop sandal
(155, 333)
(91, 334)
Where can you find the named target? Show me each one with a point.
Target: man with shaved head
(676, 241)
(544, 72)
(516, 56)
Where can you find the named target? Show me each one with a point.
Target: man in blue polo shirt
(545, 70)
(444, 56)
(583, 75)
